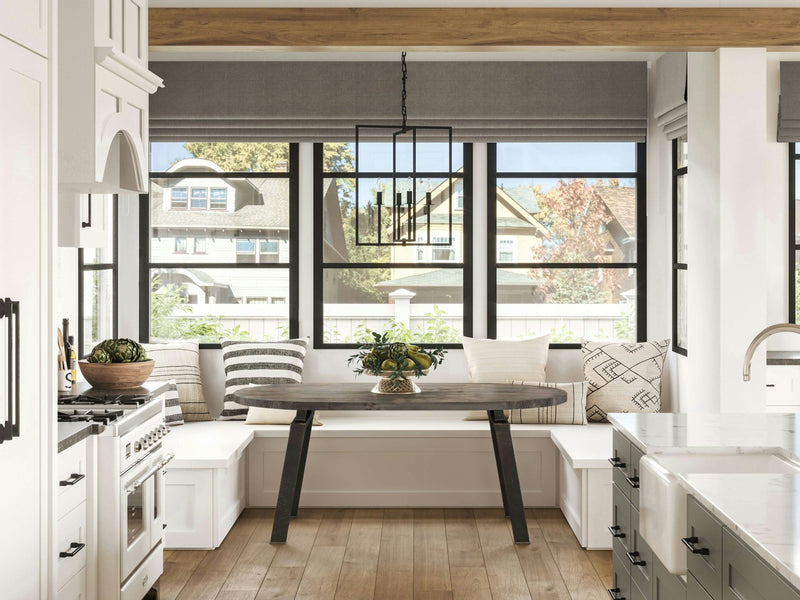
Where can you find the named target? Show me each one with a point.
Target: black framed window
(98, 298)
(417, 293)
(680, 268)
(218, 242)
(566, 241)
(794, 234)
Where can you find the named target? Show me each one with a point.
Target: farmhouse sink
(662, 500)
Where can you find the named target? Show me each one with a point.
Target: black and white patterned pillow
(259, 363)
(172, 405)
(623, 377)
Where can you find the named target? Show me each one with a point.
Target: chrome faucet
(764, 334)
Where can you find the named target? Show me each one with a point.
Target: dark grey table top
(434, 396)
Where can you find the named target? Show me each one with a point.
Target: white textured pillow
(623, 377)
(180, 361)
(271, 416)
(572, 412)
(503, 361)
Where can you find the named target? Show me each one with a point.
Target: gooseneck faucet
(764, 334)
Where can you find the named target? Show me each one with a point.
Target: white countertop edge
(792, 576)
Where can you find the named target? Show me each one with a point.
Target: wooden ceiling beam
(476, 28)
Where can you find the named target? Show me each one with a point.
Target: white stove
(130, 485)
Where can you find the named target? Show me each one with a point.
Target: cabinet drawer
(71, 467)
(637, 594)
(707, 533)
(747, 577)
(639, 553)
(70, 533)
(633, 478)
(622, 578)
(666, 586)
(75, 588)
(621, 457)
(621, 522)
(695, 591)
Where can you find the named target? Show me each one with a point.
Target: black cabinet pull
(633, 481)
(73, 479)
(615, 462)
(614, 529)
(634, 558)
(689, 542)
(613, 593)
(74, 548)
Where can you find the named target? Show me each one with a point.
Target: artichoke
(371, 362)
(397, 352)
(99, 355)
(122, 350)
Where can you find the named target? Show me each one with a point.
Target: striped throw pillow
(181, 361)
(572, 412)
(172, 405)
(259, 363)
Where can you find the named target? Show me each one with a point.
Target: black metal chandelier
(402, 214)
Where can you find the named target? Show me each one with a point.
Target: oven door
(142, 510)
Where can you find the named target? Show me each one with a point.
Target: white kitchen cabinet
(783, 388)
(85, 220)
(104, 88)
(26, 22)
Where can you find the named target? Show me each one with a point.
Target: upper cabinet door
(122, 25)
(25, 22)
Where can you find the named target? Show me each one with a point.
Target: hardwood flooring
(391, 554)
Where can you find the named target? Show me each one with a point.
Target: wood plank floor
(391, 554)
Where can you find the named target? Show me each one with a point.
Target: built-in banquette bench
(386, 460)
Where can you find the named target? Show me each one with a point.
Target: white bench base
(397, 459)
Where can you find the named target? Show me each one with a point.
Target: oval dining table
(307, 398)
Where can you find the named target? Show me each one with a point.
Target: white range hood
(104, 89)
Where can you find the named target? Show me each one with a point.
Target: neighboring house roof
(452, 278)
(621, 203)
(271, 211)
(525, 197)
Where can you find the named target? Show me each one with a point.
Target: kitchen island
(743, 534)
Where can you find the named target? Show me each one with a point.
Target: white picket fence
(345, 322)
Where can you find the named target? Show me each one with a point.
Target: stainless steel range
(130, 485)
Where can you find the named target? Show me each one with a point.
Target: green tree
(258, 156)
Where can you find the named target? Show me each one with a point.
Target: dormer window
(199, 198)
(179, 198)
(219, 198)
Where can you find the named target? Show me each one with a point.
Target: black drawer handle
(615, 462)
(74, 548)
(634, 481)
(613, 593)
(689, 542)
(73, 479)
(614, 529)
(634, 558)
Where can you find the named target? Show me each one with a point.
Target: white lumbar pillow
(503, 361)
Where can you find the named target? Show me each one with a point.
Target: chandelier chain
(405, 76)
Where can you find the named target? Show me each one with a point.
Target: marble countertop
(655, 433)
(762, 509)
(70, 434)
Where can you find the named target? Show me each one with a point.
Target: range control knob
(144, 443)
(137, 446)
(159, 434)
(164, 429)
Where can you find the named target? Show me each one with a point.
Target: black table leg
(507, 473)
(292, 477)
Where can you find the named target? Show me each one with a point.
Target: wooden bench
(384, 459)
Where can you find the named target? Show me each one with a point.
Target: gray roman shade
(669, 103)
(789, 107)
(323, 101)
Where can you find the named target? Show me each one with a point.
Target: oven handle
(149, 473)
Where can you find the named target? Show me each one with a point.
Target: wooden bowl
(116, 376)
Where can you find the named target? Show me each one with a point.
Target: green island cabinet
(720, 566)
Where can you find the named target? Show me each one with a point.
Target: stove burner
(73, 416)
(91, 416)
(118, 400)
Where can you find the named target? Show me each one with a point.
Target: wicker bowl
(116, 376)
(403, 385)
